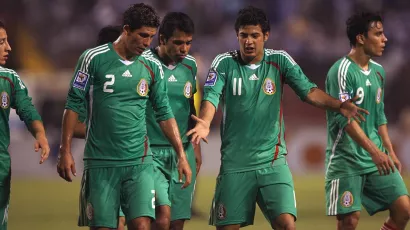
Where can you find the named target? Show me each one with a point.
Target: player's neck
(121, 50)
(162, 54)
(360, 58)
(255, 60)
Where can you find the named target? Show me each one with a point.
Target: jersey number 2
(109, 83)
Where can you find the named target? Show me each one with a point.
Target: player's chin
(2, 61)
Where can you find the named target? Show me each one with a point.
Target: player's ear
(162, 39)
(126, 29)
(360, 39)
(266, 36)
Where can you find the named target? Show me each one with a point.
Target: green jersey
(181, 85)
(14, 95)
(344, 157)
(116, 93)
(252, 129)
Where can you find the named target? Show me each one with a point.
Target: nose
(385, 38)
(183, 49)
(147, 41)
(8, 47)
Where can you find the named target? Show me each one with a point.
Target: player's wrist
(64, 149)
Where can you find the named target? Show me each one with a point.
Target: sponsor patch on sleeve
(211, 79)
(344, 97)
(80, 80)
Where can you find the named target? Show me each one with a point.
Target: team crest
(188, 89)
(269, 86)
(5, 100)
(347, 199)
(221, 212)
(142, 88)
(379, 95)
(211, 79)
(90, 211)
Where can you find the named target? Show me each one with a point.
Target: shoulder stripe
(189, 57)
(269, 52)
(375, 63)
(219, 57)
(151, 58)
(89, 53)
(91, 58)
(342, 73)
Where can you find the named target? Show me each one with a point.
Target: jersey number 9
(360, 93)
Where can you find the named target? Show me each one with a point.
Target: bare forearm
(384, 133)
(37, 129)
(207, 111)
(70, 120)
(357, 134)
(322, 100)
(79, 130)
(197, 148)
(170, 129)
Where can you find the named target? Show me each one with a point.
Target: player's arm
(75, 105)
(79, 130)
(383, 130)
(309, 92)
(25, 109)
(197, 147)
(163, 113)
(380, 158)
(213, 88)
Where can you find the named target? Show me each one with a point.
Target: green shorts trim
(271, 188)
(375, 192)
(105, 190)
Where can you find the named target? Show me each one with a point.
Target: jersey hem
(338, 176)
(91, 164)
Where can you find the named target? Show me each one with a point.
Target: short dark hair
(139, 15)
(2, 25)
(252, 16)
(176, 20)
(360, 24)
(108, 34)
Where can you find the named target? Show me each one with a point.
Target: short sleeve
(215, 81)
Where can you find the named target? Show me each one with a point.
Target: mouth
(249, 49)
(140, 50)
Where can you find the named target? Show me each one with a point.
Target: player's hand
(42, 143)
(396, 161)
(198, 159)
(66, 165)
(184, 170)
(383, 163)
(350, 110)
(200, 131)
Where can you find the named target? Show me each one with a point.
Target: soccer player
(173, 202)
(14, 94)
(249, 83)
(116, 81)
(358, 166)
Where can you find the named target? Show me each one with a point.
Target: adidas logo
(172, 79)
(253, 78)
(368, 83)
(127, 74)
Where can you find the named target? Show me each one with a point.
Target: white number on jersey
(109, 83)
(237, 90)
(360, 93)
